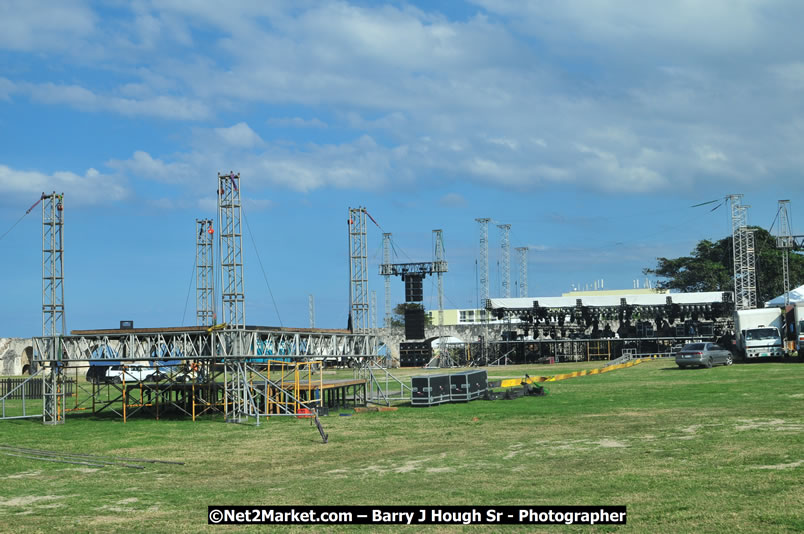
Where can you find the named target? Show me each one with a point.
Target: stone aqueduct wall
(15, 354)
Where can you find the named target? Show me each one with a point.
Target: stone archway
(27, 356)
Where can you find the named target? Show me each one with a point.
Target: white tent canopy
(796, 295)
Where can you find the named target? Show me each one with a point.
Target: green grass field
(709, 450)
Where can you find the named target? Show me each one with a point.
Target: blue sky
(590, 127)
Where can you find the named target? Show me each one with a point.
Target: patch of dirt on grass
(770, 424)
(791, 465)
(25, 474)
(84, 469)
(692, 429)
(439, 469)
(610, 443)
(797, 396)
(25, 501)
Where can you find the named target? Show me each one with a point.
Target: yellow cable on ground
(512, 382)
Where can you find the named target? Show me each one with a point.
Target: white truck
(759, 332)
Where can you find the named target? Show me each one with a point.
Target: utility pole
(523, 271)
(505, 248)
(784, 241)
(204, 273)
(484, 260)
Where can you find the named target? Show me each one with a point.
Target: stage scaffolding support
(784, 241)
(745, 294)
(230, 246)
(523, 271)
(483, 224)
(53, 319)
(358, 271)
(204, 273)
(386, 260)
(505, 249)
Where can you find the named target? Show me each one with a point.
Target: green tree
(398, 317)
(710, 267)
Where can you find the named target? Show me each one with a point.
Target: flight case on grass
(468, 385)
(427, 390)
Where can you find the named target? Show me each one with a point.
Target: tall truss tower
(53, 320)
(484, 260)
(784, 241)
(386, 260)
(358, 271)
(745, 294)
(311, 308)
(505, 249)
(230, 245)
(204, 273)
(523, 271)
(440, 267)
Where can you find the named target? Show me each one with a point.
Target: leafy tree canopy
(398, 317)
(710, 267)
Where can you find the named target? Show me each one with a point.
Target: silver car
(703, 355)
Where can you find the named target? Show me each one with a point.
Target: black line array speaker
(414, 323)
(413, 287)
(415, 354)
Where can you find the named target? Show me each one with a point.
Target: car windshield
(694, 346)
(761, 333)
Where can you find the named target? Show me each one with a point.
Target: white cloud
(45, 25)
(162, 106)
(142, 165)
(453, 200)
(239, 135)
(297, 122)
(91, 188)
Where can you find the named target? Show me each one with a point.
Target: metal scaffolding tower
(484, 260)
(311, 307)
(784, 241)
(53, 321)
(440, 267)
(386, 260)
(204, 273)
(358, 271)
(373, 308)
(523, 271)
(745, 294)
(230, 245)
(505, 249)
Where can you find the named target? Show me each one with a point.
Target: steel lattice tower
(53, 320)
(784, 241)
(484, 260)
(373, 309)
(523, 271)
(358, 271)
(230, 245)
(204, 273)
(311, 306)
(505, 249)
(386, 259)
(440, 267)
(744, 256)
